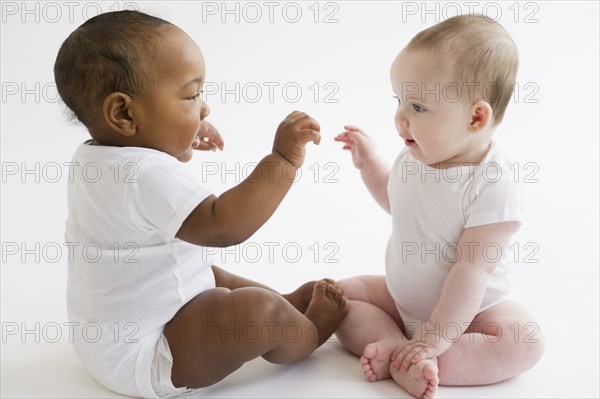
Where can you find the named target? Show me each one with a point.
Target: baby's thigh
(511, 323)
(219, 330)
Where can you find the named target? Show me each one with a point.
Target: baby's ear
(116, 114)
(481, 116)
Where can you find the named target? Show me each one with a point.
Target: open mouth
(409, 142)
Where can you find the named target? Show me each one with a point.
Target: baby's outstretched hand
(293, 133)
(360, 145)
(208, 138)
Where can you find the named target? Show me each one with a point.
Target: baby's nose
(401, 122)
(204, 111)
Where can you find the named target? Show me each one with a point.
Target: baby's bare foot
(326, 309)
(376, 358)
(301, 297)
(420, 380)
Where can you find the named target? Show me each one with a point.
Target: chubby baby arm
(461, 295)
(239, 212)
(373, 169)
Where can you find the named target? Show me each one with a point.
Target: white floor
(52, 371)
(569, 368)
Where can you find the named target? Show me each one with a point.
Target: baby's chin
(425, 159)
(414, 151)
(419, 155)
(186, 156)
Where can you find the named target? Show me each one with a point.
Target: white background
(551, 125)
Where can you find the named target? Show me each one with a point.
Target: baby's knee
(534, 344)
(526, 341)
(260, 304)
(359, 288)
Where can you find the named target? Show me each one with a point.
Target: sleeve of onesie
(166, 193)
(496, 197)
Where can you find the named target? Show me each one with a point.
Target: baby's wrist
(371, 164)
(286, 161)
(430, 334)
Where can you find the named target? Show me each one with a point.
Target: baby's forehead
(421, 66)
(176, 56)
(168, 43)
(174, 41)
(425, 76)
(158, 39)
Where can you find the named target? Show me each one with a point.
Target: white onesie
(430, 209)
(128, 274)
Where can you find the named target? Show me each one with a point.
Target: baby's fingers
(210, 143)
(217, 142)
(350, 137)
(311, 135)
(425, 353)
(395, 354)
(343, 137)
(395, 363)
(311, 124)
(210, 139)
(407, 361)
(204, 145)
(398, 355)
(353, 128)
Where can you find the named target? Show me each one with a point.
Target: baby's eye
(196, 96)
(418, 108)
(397, 99)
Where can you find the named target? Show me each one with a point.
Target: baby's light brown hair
(481, 54)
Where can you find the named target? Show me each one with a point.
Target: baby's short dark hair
(106, 54)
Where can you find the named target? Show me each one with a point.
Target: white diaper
(161, 373)
(410, 321)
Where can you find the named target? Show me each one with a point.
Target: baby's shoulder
(114, 157)
(494, 177)
(496, 167)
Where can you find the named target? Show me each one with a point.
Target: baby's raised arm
(239, 212)
(373, 169)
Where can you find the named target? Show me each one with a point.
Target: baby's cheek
(436, 144)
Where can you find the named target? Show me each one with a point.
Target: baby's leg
(372, 328)
(500, 343)
(300, 298)
(219, 330)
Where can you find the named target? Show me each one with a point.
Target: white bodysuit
(430, 209)
(129, 275)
